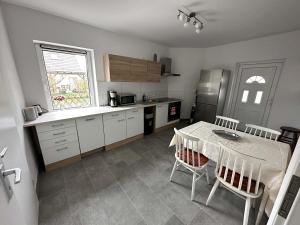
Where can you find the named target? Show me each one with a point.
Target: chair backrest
(262, 131)
(239, 172)
(187, 149)
(227, 122)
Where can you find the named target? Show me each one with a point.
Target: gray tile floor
(130, 185)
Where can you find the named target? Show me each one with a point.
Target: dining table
(274, 154)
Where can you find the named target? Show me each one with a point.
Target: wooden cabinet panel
(138, 69)
(154, 70)
(126, 69)
(119, 68)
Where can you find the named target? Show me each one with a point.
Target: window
(245, 96)
(258, 97)
(256, 79)
(68, 76)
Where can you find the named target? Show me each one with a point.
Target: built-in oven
(126, 99)
(174, 111)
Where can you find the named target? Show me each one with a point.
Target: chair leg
(247, 211)
(253, 203)
(173, 170)
(207, 176)
(212, 192)
(262, 206)
(193, 186)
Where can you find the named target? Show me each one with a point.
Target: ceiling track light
(188, 18)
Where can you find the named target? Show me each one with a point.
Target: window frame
(91, 72)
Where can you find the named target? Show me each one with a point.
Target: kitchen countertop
(82, 112)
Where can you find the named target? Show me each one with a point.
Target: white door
(11, 209)
(255, 92)
(161, 115)
(114, 127)
(135, 122)
(22, 207)
(87, 126)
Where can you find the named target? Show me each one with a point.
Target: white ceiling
(155, 20)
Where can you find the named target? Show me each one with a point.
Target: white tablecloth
(275, 154)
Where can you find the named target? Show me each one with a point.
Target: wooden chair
(189, 156)
(240, 174)
(262, 132)
(227, 122)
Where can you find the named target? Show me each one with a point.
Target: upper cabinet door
(154, 70)
(117, 68)
(126, 69)
(138, 70)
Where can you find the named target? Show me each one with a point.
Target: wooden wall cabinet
(126, 69)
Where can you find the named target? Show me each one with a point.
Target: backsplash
(153, 90)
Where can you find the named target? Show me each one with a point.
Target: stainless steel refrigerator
(211, 94)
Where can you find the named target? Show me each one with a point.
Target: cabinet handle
(135, 110)
(114, 115)
(60, 133)
(121, 120)
(89, 119)
(61, 141)
(131, 118)
(61, 149)
(57, 125)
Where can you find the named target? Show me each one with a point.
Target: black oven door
(174, 111)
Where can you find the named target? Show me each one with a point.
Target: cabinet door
(119, 68)
(90, 133)
(154, 70)
(161, 115)
(114, 130)
(138, 69)
(135, 122)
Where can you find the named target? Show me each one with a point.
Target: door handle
(3, 151)
(15, 171)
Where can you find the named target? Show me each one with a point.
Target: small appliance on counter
(30, 113)
(126, 99)
(40, 110)
(33, 112)
(112, 98)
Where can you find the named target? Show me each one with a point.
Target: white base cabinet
(161, 115)
(90, 133)
(135, 122)
(58, 140)
(114, 127)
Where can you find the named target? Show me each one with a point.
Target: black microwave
(126, 99)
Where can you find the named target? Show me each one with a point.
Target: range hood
(166, 64)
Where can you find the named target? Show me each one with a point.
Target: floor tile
(118, 207)
(174, 221)
(50, 183)
(203, 218)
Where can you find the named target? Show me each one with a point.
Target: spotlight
(188, 19)
(180, 16)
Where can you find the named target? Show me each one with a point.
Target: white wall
(28, 201)
(187, 62)
(286, 106)
(25, 25)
